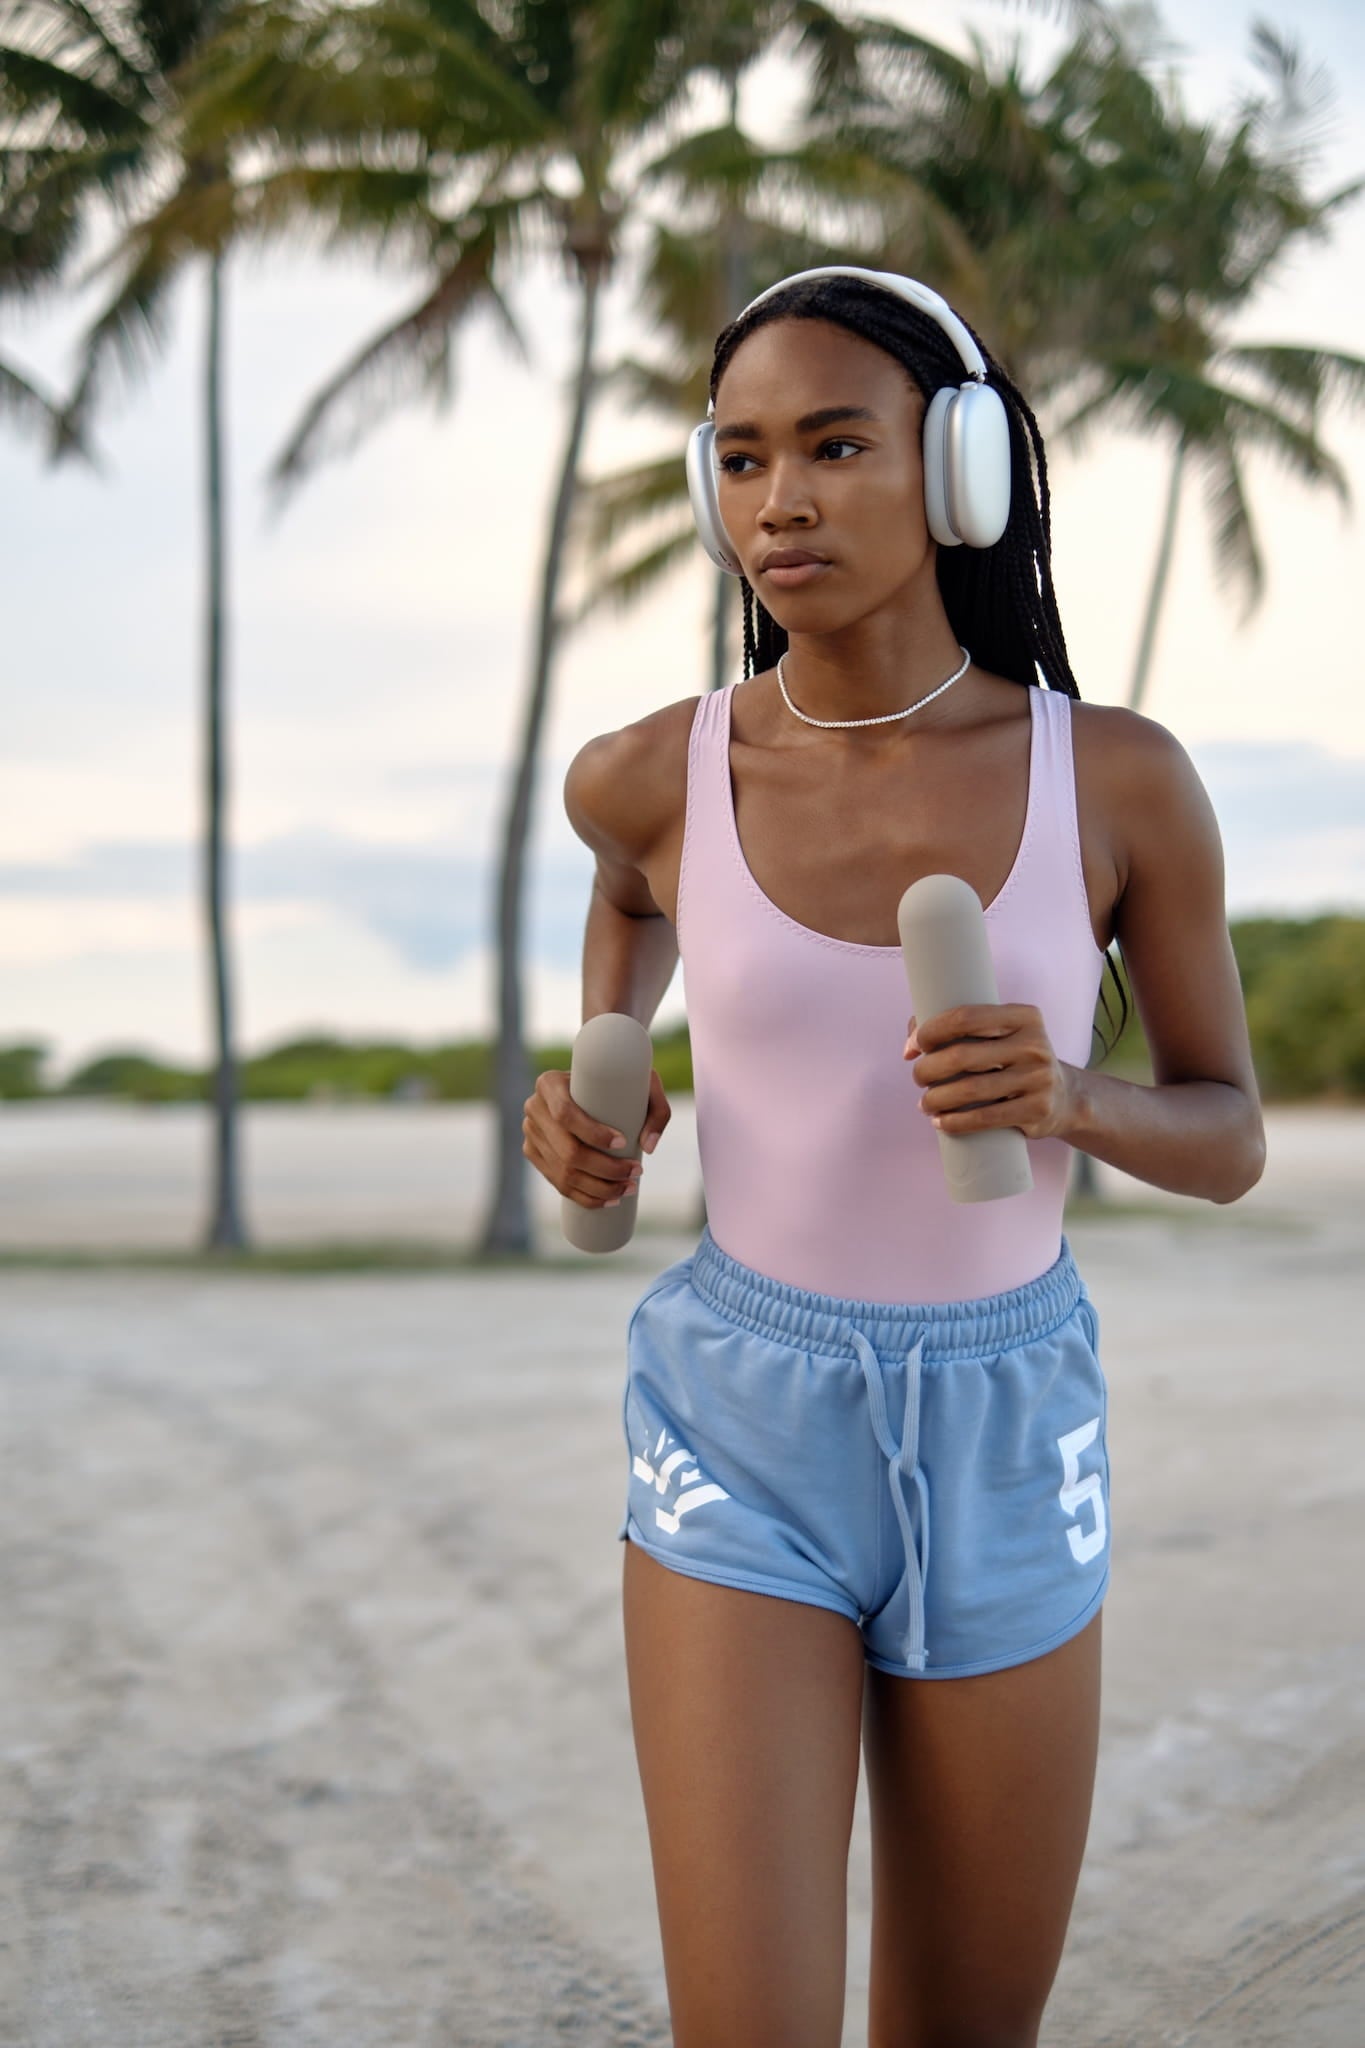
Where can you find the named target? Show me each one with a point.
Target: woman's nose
(787, 497)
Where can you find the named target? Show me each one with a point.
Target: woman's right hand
(572, 1149)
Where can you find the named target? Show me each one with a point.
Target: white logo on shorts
(693, 1492)
(1074, 1490)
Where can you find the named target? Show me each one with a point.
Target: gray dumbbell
(612, 1060)
(947, 962)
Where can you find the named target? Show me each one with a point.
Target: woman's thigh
(979, 1793)
(746, 1712)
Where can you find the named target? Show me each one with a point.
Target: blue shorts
(937, 1473)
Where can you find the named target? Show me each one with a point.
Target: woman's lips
(795, 573)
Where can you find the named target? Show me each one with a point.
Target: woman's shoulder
(1140, 798)
(623, 788)
(1126, 751)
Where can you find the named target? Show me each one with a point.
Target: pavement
(314, 1729)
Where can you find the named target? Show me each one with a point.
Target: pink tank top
(818, 1164)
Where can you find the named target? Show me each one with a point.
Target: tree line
(1303, 980)
(1106, 239)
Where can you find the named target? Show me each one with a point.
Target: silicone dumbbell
(947, 962)
(612, 1060)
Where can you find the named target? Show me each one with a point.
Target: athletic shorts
(938, 1473)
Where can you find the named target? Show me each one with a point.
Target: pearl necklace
(886, 717)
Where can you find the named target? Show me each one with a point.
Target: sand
(313, 1717)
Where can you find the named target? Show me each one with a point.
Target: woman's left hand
(983, 1065)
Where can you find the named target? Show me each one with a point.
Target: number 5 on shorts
(1074, 1491)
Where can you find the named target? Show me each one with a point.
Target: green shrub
(134, 1075)
(1306, 1011)
(21, 1072)
(307, 1066)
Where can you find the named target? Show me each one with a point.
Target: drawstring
(902, 1462)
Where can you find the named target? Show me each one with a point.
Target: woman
(866, 1423)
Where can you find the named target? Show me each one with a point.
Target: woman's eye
(726, 461)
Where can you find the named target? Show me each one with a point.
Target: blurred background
(347, 359)
(434, 553)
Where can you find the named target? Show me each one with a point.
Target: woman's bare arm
(630, 949)
(1197, 1129)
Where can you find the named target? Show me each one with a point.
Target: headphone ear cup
(977, 464)
(701, 489)
(934, 449)
(966, 449)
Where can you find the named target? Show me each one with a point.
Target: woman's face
(791, 475)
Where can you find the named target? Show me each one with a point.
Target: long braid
(1000, 600)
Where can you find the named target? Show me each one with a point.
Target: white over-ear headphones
(966, 443)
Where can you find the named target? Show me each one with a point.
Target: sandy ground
(313, 1719)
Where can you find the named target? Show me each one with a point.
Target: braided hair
(1000, 600)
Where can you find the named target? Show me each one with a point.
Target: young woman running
(869, 1482)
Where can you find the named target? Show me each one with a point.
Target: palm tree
(94, 89)
(1227, 204)
(539, 129)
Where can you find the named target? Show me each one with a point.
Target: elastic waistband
(823, 1322)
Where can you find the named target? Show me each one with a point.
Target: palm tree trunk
(1160, 572)
(508, 1227)
(225, 1226)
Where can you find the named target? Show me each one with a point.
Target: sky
(379, 640)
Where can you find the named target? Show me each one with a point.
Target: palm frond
(722, 161)
(611, 505)
(1292, 117)
(41, 186)
(129, 332)
(68, 30)
(289, 81)
(644, 387)
(623, 587)
(23, 402)
(412, 356)
(33, 87)
(1307, 376)
(829, 47)
(1345, 195)
(641, 57)
(1236, 550)
(1099, 406)
(382, 208)
(896, 61)
(1247, 424)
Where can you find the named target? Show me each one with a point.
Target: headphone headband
(907, 288)
(965, 437)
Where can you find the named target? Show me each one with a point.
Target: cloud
(1285, 791)
(1292, 819)
(432, 903)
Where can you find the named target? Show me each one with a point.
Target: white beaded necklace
(886, 717)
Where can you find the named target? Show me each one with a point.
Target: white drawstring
(903, 1462)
